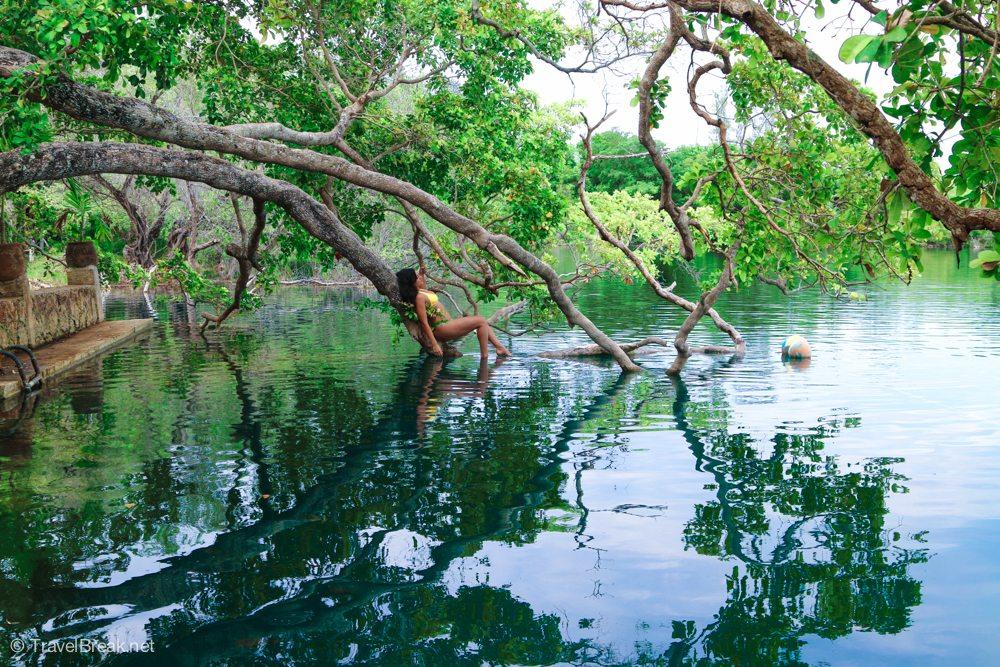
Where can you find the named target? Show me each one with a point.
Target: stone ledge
(64, 354)
(58, 289)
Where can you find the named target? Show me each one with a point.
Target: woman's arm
(420, 305)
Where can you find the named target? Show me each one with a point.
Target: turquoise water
(301, 488)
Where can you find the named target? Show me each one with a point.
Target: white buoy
(796, 347)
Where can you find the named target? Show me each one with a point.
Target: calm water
(302, 488)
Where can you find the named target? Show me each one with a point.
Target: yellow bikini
(434, 313)
(432, 298)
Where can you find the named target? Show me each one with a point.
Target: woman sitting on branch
(436, 323)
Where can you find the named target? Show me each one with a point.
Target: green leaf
(989, 256)
(897, 34)
(895, 209)
(881, 18)
(853, 46)
(885, 54)
(870, 52)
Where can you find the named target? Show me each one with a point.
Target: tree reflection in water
(335, 523)
(813, 554)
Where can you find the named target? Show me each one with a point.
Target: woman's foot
(504, 352)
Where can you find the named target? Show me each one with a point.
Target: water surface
(304, 488)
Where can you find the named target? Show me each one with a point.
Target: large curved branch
(64, 160)
(649, 78)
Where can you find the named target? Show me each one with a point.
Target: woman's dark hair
(407, 279)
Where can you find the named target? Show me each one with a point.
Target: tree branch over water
(144, 120)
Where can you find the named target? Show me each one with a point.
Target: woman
(436, 323)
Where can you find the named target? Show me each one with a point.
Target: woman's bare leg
(497, 345)
(465, 325)
(483, 333)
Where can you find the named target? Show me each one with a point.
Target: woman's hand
(436, 349)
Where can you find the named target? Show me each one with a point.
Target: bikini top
(432, 298)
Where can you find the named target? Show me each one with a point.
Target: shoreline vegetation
(50, 272)
(46, 272)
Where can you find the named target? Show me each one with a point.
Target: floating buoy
(796, 347)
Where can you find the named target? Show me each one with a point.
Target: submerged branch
(595, 350)
(322, 283)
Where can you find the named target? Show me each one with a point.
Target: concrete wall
(35, 317)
